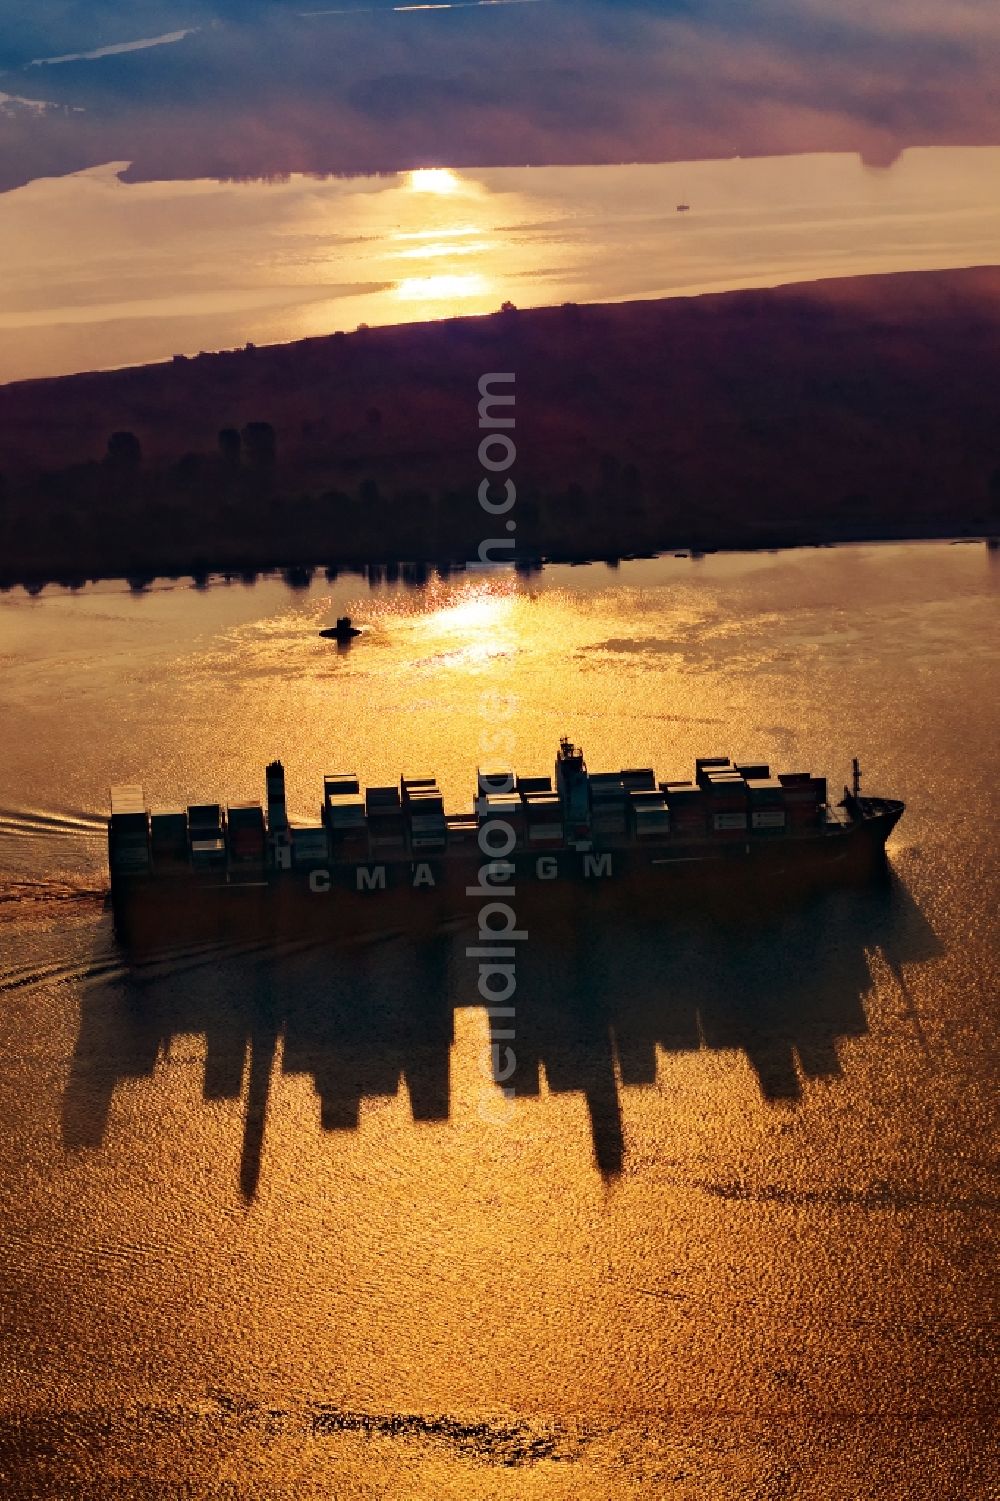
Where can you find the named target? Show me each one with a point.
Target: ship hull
(541, 886)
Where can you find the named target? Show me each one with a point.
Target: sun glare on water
(483, 611)
(433, 180)
(435, 250)
(481, 623)
(439, 290)
(442, 288)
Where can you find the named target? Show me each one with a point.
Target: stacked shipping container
(726, 804)
(128, 831)
(207, 834)
(423, 810)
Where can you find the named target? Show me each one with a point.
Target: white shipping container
(128, 799)
(769, 818)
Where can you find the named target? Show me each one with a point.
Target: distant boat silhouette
(684, 208)
(343, 631)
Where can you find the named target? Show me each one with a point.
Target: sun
(433, 180)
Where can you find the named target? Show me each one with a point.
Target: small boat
(684, 208)
(343, 631)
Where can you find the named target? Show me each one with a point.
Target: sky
(185, 89)
(855, 96)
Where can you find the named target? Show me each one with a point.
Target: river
(102, 270)
(268, 1228)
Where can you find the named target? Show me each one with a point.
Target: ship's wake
(50, 823)
(52, 864)
(510, 1443)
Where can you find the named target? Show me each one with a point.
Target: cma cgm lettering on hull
(422, 873)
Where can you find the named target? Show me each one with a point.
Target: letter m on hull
(370, 878)
(597, 865)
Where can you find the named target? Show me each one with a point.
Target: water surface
(101, 271)
(266, 1221)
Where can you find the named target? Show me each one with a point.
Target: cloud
(115, 49)
(259, 89)
(15, 105)
(17, 101)
(429, 5)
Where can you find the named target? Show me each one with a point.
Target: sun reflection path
(478, 623)
(439, 290)
(442, 288)
(436, 248)
(434, 180)
(482, 611)
(455, 231)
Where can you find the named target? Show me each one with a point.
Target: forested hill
(860, 407)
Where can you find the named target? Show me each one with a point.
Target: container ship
(572, 840)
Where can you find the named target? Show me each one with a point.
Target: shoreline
(855, 409)
(413, 572)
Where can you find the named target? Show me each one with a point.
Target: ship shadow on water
(596, 1002)
(783, 987)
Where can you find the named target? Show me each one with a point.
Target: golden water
(729, 1237)
(142, 271)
